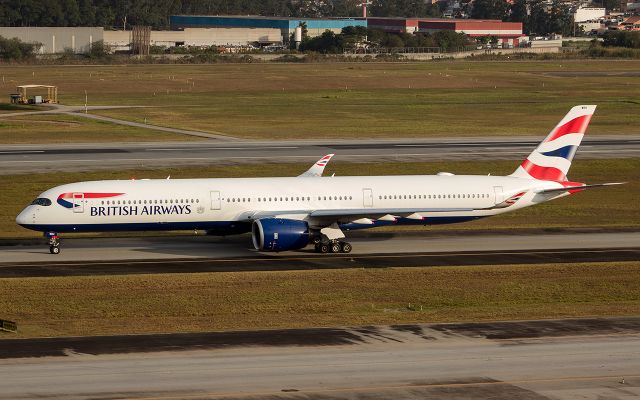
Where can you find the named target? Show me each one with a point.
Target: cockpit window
(41, 201)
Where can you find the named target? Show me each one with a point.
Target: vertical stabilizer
(551, 160)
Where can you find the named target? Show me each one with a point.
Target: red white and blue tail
(551, 160)
(318, 168)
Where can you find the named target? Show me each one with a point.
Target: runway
(185, 254)
(530, 360)
(68, 157)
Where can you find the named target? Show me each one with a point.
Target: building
(394, 25)
(507, 33)
(56, 39)
(287, 26)
(584, 14)
(630, 6)
(631, 24)
(197, 37)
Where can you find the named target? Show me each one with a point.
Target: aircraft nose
(23, 218)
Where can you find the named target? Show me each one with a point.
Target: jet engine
(278, 234)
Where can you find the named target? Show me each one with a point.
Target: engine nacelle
(278, 234)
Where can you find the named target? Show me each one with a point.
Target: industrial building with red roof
(509, 33)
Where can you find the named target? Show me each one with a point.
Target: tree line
(352, 38)
(155, 13)
(537, 15)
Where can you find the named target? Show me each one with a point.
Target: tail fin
(551, 160)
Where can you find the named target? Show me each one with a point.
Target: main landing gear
(332, 246)
(54, 242)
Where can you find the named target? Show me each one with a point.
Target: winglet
(318, 168)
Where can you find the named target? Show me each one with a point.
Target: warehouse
(287, 26)
(394, 25)
(507, 33)
(197, 37)
(56, 40)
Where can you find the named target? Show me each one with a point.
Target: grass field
(355, 100)
(71, 129)
(257, 300)
(613, 207)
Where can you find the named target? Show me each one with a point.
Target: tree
(353, 36)
(490, 9)
(87, 12)
(450, 40)
(622, 39)
(538, 18)
(402, 8)
(519, 13)
(611, 4)
(17, 50)
(328, 42)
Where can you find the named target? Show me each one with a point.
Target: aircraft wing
(318, 168)
(352, 215)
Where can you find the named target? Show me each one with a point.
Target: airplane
(289, 213)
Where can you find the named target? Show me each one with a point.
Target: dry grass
(258, 300)
(71, 129)
(355, 100)
(608, 207)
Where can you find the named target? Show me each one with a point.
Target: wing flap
(365, 214)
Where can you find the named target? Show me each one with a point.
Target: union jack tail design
(318, 168)
(551, 160)
(324, 160)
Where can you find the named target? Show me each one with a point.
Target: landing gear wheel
(54, 242)
(346, 247)
(335, 247)
(324, 248)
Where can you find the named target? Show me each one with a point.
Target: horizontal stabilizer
(570, 188)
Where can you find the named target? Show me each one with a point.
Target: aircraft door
(499, 194)
(367, 198)
(215, 200)
(78, 202)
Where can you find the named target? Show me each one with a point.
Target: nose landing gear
(54, 242)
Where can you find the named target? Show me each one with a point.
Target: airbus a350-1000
(291, 212)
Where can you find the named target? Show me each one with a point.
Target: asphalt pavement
(84, 157)
(185, 254)
(596, 358)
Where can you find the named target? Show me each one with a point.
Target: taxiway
(84, 157)
(531, 360)
(181, 254)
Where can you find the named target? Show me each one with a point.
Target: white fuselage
(230, 204)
